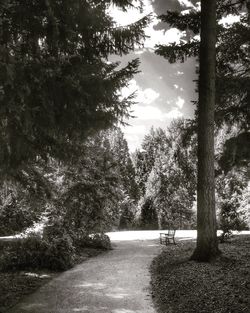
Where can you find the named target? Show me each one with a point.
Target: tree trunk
(207, 246)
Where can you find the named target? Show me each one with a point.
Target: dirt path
(114, 282)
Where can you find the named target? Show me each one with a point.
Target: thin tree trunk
(207, 246)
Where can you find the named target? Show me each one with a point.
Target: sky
(164, 91)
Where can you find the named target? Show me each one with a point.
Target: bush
(14, 219)
(60, 253)
(23, 253)
(99, 241)
(35, 252)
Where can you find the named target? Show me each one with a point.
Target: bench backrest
(171, 232)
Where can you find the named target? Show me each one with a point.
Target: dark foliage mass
(56, 84)
(58, 94)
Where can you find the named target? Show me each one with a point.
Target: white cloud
(180, 102)
(143, 96)
(123, 18)
(154, 36)
(136, 129)
(148, 113)
(174, 113)
(162, 37)
(186, 3)
(176, 86)
(147, 96)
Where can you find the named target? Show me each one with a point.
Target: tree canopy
(232, 56)
(56, 84)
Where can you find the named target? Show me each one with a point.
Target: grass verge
(183, 286)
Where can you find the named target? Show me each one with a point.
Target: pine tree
(232, 51)
(56, 86)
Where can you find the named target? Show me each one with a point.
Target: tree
(144, 160)
(207, 246)
(169, 179)
(232, 61)
(232, 82)
(56, 86)
(126, 173)
(171, 182)
(232, 190)
(90, 201)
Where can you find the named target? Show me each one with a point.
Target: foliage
(170, 163)
(149, 218)
(34, 252)
(231, 191)
(236, 152)
(100, 241)
(128, 209)
(126, 178)
(56, 85)
(23, 200)
(93, 192)
(144, 160)
(232, 77)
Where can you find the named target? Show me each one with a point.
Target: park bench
(168, 237)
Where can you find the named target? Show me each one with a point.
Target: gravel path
(114, 282)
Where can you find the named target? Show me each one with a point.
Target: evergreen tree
(171, 183)
(126, 172)
(232, 51)
(90, 201)
(144, 160)
(56, 86)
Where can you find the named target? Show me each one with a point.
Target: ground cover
(183, 286)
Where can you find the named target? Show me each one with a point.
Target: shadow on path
(114, 282)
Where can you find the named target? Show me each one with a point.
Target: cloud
(174, 113)
(180, 102)
(154, 36)
(131, 15)
(142, 96)
(150, 112)
(186, 3)
(147, 96)
(147, 112)
(138, 129)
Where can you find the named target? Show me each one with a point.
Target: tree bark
(207, 246)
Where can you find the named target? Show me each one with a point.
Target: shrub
(36, 252)
(14, 219)
(99, 241)
(23, 253)
(60, 253)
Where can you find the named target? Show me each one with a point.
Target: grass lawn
(183, 286)
(15, 285)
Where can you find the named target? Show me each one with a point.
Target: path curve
(117, 281)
